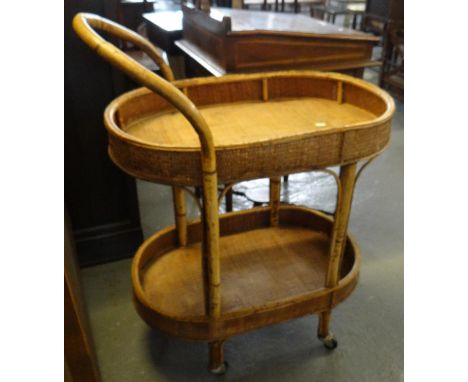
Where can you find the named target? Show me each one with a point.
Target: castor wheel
(221, 369)
(329, 341)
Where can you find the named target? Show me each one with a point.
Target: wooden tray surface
(268, 274)
(260, 266)
(249, 122)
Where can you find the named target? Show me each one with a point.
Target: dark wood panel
(390, 9)
(211, 43)
(130, 13)
(389, 15)
(97, 193)
(80, 357)
(270, 52)
(199, 64)
(378, 7)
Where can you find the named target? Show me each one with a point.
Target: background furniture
(392, 75)
(329, 12)
(164, 28)
(385, 18)
(239, 41)
(380, 13)
(130, 12)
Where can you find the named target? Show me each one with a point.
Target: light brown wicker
(226, 274)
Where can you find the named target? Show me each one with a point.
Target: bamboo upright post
(217, 364)
(212, 276)
(338, 242)
(211, 263)
(180, 214)
(83, 23)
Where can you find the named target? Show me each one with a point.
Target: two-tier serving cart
(226, 274)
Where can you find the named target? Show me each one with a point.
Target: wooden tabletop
(243, 21)
(246, 21)
(169, 21)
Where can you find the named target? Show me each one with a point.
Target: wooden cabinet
(239, 41)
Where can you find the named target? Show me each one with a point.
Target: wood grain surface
(260, 266)
(232, 124)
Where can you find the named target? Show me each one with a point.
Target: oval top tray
(263, 125)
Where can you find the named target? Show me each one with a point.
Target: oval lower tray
(263, 125)
(268, 274)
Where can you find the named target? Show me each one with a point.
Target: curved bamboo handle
(83, 24)
(90, 21)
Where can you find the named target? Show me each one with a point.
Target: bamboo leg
(337, 246)
(211, 266)
(180, 214)
(212, 273)
(204, 265)
(324, 333)
(340, 226)
(324, 324)
(217, 364)
(275, 192)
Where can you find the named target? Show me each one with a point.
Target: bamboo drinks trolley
(226, 274)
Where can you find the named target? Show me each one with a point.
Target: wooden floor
(242, 123)
(265, 265)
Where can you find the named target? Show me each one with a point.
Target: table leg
(354, 20)
(180, 214)
(275, 192)
(337, 244)
(229, 201)
(324, 333)
(217, 364)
